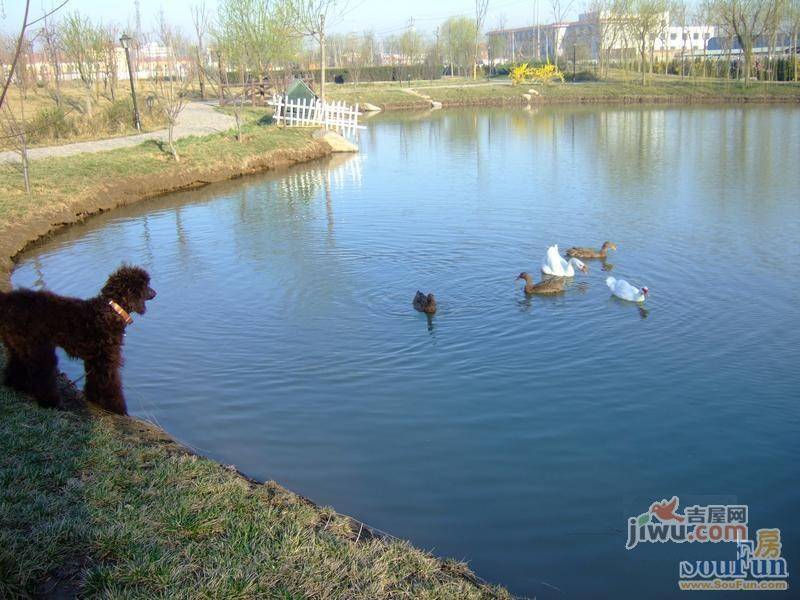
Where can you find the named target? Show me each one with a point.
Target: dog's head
(130, 288)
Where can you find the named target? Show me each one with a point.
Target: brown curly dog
(33, 323)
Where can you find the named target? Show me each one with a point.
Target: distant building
(148, 61)
(591, 33)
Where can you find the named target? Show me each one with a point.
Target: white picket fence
(315, 113)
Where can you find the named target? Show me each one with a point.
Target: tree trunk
(200, 79)
(748, 65)
(171, 141)
(113, 83)
(642, 58)
(89, 100)
(794, 53)
(57, 78)
(23, 147)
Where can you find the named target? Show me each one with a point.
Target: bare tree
(107, 40)
(13, 127)
(15, 59)
(82, 48)
(498, 43)
(646, 23)
(560, 10)
(170, 86)
(792, 25)
(411, 45)
(458, 37)
(310, 18)
(51, 44)
(746, 20)
(255, 37)
(201, 19)
(607, 27)
(356, 55)
(481, 6)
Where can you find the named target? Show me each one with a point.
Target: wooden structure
(258, 92)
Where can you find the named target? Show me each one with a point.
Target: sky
(384, 17)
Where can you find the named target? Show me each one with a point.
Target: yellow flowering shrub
(545, 74)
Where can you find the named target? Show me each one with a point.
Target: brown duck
(591, 252)
(547, 286)
(425, 304)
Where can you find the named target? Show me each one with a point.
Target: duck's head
(609, 246)
(524, 276)
(645, 291)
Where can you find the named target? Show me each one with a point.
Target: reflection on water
(512, 432)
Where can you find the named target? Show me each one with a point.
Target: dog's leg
(42, 374)
(103, 383)
(16, 372)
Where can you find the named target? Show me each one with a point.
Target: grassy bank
(100, 505)
(661, 90)
(67, 189)
(52, 119)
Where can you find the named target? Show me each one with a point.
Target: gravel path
(197, 118)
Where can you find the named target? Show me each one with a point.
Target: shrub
(117, 116)
(547, 73)
(505, 69)
(52, 123)
(380, 73)
(581, 76)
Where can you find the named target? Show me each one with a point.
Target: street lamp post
(125, 41)
(574, 53)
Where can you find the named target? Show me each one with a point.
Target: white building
(593, 32)
(685, 38)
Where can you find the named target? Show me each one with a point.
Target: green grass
(620, 88)
(104, 506)
(392, 96)
(62, 182)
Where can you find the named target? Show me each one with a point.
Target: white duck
(558, 267)
(622, 289)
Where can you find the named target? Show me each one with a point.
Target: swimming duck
(547, 286)
(622, 289)
(425, 304)
(577, 252)
(554, 265)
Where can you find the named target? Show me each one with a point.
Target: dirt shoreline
(130, 190)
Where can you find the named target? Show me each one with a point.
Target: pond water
(517, 434)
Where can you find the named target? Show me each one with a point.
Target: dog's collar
(121, 312)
